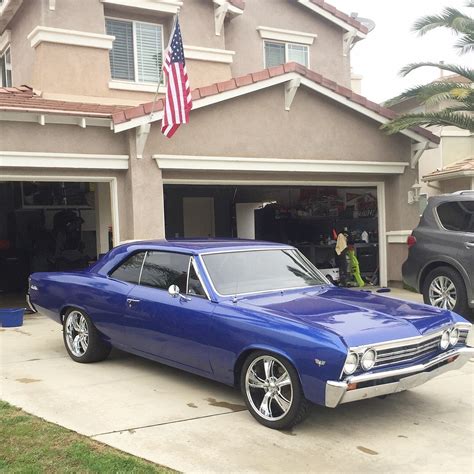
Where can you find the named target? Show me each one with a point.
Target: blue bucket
(11, 318)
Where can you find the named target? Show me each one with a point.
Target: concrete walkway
(191, 424)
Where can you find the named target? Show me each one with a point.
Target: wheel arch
(66, 308)
(444, 262)
(239, 363)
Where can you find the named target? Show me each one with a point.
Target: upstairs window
(137, 52)
(5, 68)
(277, 53)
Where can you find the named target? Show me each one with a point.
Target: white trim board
(111, 180)
(289, 36)
(44, 118)
(199, 53)
(45, 34)
(163, 6)
(283, 79)
(398, 236)
(136, 86)
(231, 163)
(5, 40)
(62, 160)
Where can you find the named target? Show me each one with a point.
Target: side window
(194, 285)
(129, 271)
(457, 216)
(163, 269)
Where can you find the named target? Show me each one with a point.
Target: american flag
(178, 101)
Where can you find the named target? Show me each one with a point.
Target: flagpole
(160, 76)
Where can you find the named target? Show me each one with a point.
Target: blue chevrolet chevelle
(251, 314)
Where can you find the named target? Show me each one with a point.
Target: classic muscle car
(255, 315)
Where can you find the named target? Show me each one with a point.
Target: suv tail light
(411, 241)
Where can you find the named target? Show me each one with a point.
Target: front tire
(444, 288)
(272, 391)
(81, 338)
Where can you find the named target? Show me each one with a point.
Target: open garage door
(308, 217)
(50, 226)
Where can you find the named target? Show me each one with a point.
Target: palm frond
(465, 72)
(432, 92)
(461, 120)
(465, 43)
(451, 18)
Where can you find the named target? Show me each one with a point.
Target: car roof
(198, 246)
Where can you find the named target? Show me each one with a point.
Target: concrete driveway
(192, 424)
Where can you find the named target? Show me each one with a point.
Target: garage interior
(49, 226)
(307, 217)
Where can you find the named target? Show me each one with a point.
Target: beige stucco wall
(396, 255)
(258, 125)
(326, 53)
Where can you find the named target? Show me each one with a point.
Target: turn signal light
(411, 241)
(351, 386)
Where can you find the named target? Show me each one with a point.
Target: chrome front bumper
(407, 378)
(30, 304)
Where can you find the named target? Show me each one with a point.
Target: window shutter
(121, 55)
(274, 54)
(149, 51)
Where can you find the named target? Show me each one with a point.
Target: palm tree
(458, 90)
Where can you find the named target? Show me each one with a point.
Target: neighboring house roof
(202, 96)
(23, 99)
(459, 169)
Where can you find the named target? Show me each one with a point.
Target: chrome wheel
(77, 333)
(269, 388)
(442, 293)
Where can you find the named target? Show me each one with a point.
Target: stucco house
(449, 167)
(278, 146)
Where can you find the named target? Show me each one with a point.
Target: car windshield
(234, 273)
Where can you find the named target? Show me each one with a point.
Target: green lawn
(31, 445)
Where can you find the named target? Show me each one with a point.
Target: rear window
(457, 216)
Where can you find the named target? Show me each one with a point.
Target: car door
(171, 328)
(107, 298)
(457, 218)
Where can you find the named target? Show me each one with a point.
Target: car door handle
(469, 245)
(131, 302)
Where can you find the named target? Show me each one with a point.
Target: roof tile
(135, 112)
(276, 71)
(208, 90)
(260, 75)
(244, 80)
(226, 86)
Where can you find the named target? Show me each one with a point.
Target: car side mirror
(173, 290)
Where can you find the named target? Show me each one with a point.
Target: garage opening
(307, 217)
(49, 226)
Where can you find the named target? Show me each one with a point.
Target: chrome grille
(463, 335)
(408, 352)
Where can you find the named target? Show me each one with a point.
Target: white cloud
(392, 44)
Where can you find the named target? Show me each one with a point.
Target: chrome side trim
(338, 393)
(30, 304)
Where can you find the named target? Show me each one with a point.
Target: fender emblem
(319, 363)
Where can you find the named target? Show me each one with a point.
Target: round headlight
(444, 343)
(351, 364)
(368, 359)
(454, 336)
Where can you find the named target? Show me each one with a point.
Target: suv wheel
(444, 288)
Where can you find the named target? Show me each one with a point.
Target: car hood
(357, 317)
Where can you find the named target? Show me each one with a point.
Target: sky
(392, 44)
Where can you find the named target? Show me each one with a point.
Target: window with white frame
(137, 52)
(5, 68)
(277, 53)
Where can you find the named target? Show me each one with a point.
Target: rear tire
(444, 288)
(272, 391)
(81, 338)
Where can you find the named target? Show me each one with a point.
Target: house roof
(24, 99)
(340, 15)
(459, 169)
(130, 118)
